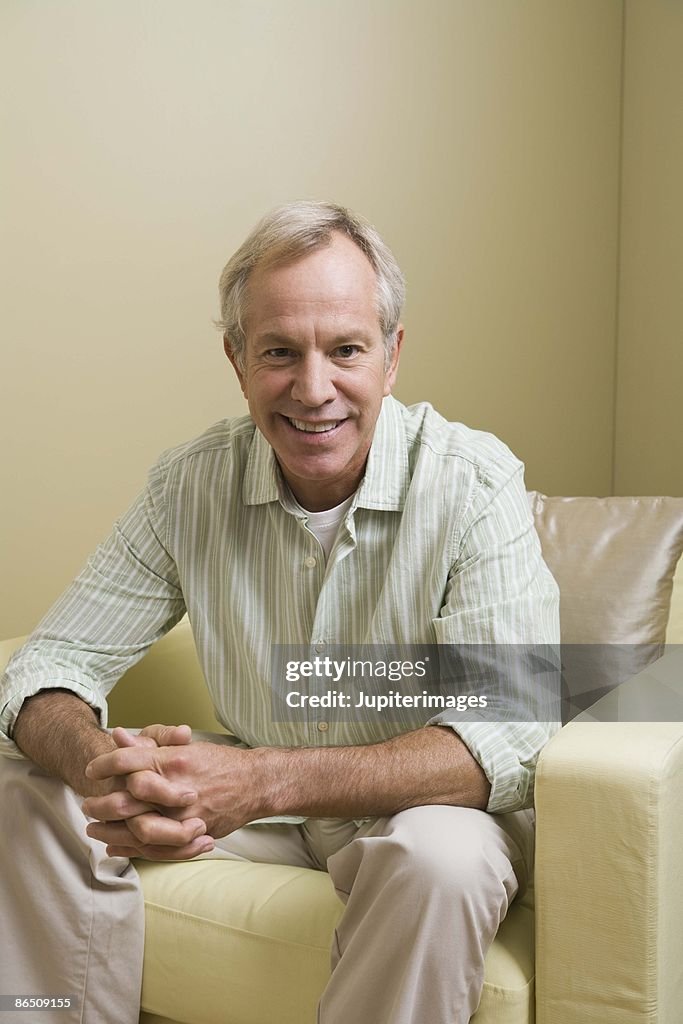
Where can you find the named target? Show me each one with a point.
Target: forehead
(337, 278)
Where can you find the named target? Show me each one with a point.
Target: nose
(313, 385)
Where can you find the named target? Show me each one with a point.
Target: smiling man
(331, 515)
(316, 367)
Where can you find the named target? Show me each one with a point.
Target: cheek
(372, 395)
(263, 398)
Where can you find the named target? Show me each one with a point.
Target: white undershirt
(324, 525)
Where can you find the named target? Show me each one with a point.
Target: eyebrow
(275, 338)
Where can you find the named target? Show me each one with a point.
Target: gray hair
(295, 229)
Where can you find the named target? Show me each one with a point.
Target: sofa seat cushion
(231, 942)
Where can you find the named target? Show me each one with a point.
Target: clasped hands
(168, 798)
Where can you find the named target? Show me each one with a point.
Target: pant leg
(425, 893)
(72, 918)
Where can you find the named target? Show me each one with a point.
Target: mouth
(314, 427)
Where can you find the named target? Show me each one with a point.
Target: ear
(392, 369)
(227, 348)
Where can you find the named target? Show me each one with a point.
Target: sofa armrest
(609, 889)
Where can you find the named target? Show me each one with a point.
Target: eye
(278, 353)
(347, 351)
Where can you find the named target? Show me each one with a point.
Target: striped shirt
(437, 547)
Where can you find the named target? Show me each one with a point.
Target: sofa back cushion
(614, 560)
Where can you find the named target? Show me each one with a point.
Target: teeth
(314, 428)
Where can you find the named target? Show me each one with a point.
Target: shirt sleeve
(127, 596)
(502, 600)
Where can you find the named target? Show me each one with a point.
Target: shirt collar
(384, 485)
(386, 480)
(262, 479)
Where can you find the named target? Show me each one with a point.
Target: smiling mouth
(324, 427)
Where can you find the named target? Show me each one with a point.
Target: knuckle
(135, 786)
(141, 784)
(119, 805)
(156, 732)
(179, 761)
(142, 829)
(190, 830)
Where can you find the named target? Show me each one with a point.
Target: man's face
(314, 373)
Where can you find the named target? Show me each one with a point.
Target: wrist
(61, 734)
(273, 781)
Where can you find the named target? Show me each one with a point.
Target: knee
(455, 852)
(15, 774)
(29, 794)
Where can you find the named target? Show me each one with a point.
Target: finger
(123, 761)
(115, 806)
(147, 830)
(168, 735)
(111, 832)
(126, 760)
(123, 738)
(123, 851)
(164, 853)
(152, 788)
(157, 830)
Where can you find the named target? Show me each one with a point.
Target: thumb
(167, 735)
(153, 736)
(123, 738)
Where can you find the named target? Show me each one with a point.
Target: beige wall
(146, 137)
(649, 424)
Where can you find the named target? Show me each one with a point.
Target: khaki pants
(425, 892)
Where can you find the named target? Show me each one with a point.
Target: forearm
(429, 766)
(227, 787)
(61, 734)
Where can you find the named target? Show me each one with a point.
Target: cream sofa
(600, 942)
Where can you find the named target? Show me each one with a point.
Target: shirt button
(323, 726)
(309, 562)
(320, 646)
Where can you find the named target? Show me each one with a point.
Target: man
(331, 515)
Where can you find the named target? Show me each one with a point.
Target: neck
(321, 497)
